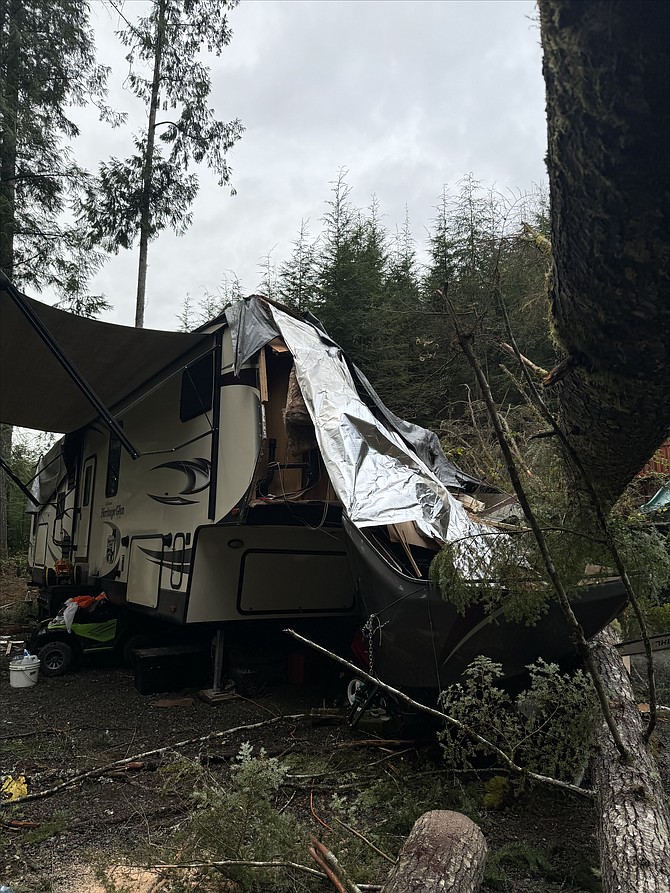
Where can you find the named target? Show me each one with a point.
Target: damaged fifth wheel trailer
(252, 476)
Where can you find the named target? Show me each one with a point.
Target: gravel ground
(86, 720)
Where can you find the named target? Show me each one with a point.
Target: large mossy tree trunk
(607, 74)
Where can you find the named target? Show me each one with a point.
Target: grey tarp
(35, 390)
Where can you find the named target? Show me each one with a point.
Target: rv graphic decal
(112, 545)
(177, 559)
(197, 473)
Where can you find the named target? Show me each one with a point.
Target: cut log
(444, 851)
(633, 820)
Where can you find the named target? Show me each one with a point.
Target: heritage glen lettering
(112, 511)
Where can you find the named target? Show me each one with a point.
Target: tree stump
(444, 851)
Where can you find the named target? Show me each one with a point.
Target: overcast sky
(408, 96)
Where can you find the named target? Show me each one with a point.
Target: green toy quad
(98, 628)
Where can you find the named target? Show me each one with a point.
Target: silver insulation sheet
(378, 479)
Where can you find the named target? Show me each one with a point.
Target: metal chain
(373, 623)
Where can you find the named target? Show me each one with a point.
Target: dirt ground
(101, 833)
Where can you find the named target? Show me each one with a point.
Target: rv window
(60, 505)
(197, 384)
(113, 466)
(86, 498)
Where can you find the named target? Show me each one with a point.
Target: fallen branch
(465, 343)
(327, 870)
(365, 840)
(102, 770)
(340, 872)
(248, 863)
(444, 717)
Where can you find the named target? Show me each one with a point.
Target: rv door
(85, 508)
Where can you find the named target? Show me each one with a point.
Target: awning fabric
(35, 390)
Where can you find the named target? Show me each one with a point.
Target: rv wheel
(355, 685)
(55, 658)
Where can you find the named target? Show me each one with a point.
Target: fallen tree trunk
(444, 851)
(633, 819)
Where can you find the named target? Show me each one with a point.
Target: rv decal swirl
(197, 473)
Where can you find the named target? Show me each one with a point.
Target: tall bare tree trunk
(147, 173)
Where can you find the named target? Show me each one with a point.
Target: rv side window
(113, 466)
(86, 498)
(197, 385)
(60, 505)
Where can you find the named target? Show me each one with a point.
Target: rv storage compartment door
(145, 563)
(246, 572)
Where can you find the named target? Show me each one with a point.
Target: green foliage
(548, 728)
(521, 858)
(58, 823)
(242, 821)
(47, 64)
(152, 189)
(496, 792)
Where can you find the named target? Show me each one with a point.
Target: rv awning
(37, 392)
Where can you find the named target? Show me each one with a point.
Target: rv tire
(56, 658)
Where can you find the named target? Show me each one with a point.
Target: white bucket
(23, 672)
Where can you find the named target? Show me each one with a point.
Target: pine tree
(150, 191)
(298, 276)
(47, 64)
(351, 272)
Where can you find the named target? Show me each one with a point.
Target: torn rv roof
(384, 470)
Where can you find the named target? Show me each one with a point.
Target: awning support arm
(19, 483)
(68, 365)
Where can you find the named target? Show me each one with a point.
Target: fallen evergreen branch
(444, 717)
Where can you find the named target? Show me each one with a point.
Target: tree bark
(607, 74)
(147, 173)
(633, 820)
(444, 851)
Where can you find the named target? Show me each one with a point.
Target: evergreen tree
(396, 362)
(351, 272)
(47, 64)
(298, 276)
(150, 191)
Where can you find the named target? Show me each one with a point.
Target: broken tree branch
(529, 364)
(444, 717)
(334, 865)
(597, 504)
(465, 342)
(365, 840)
(102, 770)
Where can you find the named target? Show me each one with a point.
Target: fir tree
(150, 191)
